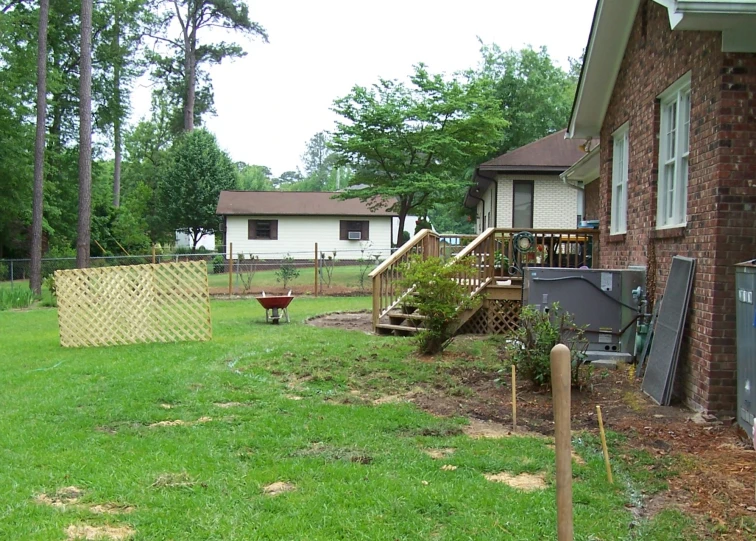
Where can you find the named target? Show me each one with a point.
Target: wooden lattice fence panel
(494, 317)
(167, 302)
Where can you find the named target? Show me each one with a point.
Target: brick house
(522, 188)
(668, 89)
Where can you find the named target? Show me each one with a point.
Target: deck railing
(492, 255)
(386, 291)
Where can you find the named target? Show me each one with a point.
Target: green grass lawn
(304, 414)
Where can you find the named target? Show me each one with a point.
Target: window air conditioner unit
(354, 235)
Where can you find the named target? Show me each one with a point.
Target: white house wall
(297, 236)
(485, 211)
(554, 202)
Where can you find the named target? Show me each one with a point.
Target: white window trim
(620, 169)
(678, 93)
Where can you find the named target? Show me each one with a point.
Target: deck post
(376, 300)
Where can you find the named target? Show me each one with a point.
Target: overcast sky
(272, 101)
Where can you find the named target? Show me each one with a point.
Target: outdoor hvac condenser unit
(605, 302)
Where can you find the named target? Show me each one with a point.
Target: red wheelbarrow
(276, 307)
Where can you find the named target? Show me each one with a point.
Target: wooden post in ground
(316, 269)
(603, 446)
(560, 385)
(514, 398)
(230, 267)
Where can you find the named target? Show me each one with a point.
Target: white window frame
(620, 159)
(674, 149)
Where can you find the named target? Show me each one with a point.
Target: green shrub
(4, 272)
(529, 347)
(438, 295)
(219, 264)
(49, 283)
(287, 271)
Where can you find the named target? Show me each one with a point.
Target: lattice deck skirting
(494, 317)
(167, 302)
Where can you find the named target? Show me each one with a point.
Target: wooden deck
(493, 271)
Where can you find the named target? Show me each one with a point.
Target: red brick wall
(721, 195)
(592, 202)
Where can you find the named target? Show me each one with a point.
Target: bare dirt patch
(525, 481)
(174, 480)
(279, 487)
(62, 497)
(480, 429)
(439, 454)
(226, 405)
(349, 321)
(180, 422)
(94, 533)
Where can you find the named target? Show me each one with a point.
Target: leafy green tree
(254, 177)
(122, 25)
(189, 188)
(535, 94)
(188, 55)
(410, 145)
(287, 180)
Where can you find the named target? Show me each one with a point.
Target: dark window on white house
(262, 229)
(522, 212)
(354, 230)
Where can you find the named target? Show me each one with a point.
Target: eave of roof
(610, 31)
(585, 170)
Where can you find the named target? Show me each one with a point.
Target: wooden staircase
(488, 275)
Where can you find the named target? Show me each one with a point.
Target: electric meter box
(601, 300)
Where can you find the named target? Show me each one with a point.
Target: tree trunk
(190, 67)
(117, 118)
(117, 165)
(85, 138)
(404, 207)
(39, 150)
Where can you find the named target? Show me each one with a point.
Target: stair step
(403, 315)
(391, 327)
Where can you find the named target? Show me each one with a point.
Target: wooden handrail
(406, 247)
(474, 244)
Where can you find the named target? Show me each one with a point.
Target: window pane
(669, 196)
(682, 192)
(671, 124)
(263, 230)
(523, 204)
(685, 118)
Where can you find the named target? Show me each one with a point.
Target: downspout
(484, 209)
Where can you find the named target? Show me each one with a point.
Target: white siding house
(522, 188)
(272, 225)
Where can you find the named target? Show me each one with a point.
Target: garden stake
(316, 269)
(230, 266)
(514, 398)
(560, 387)
(603, 446)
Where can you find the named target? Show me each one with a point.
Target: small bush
(4, 272)
(49, 283)
(438, 296)
(219, 264)
(287, 271)
(245, 270)
(530, 345)
(325, 268)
